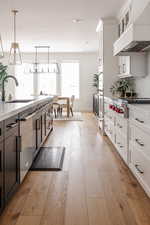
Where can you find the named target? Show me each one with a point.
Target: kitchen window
(47, 83)
(25, 88)
(65, 84)
(70, 79)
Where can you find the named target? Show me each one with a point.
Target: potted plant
(3, 73)
(96, 80)
(121, 86)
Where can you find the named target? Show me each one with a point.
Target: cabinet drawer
(121, 125)
(110, 116)
(11, 125)
(140, 165)
(122, 146)
(109, 129)
(140, 140)
(140, 117)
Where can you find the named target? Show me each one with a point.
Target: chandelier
(42, 67)
(15, 55)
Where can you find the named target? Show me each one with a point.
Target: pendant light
(15, 55)
(1, 48)
(42, 68)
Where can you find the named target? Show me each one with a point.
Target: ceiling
(46, 22)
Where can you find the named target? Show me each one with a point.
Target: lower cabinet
(11, 156)
(122, 145)
(44, 124)
(116, 129)
(10, 148)
(38, 131)
(139, 161)
(1, 177)
(49, 119)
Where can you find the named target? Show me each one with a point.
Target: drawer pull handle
(139, 143)
(121, 146)
(12, 125)
(138, 120)
(119, 126)
(138, 169)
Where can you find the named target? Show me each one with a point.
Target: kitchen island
(24, 127)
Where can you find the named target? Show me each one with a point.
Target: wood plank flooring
(94, 188)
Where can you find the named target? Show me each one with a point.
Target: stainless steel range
(121, 105)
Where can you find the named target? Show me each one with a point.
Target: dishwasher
(27, 141)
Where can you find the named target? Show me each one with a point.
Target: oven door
(28, 144)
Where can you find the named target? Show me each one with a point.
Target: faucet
(3, 85)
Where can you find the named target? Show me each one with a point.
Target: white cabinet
(115, 127)
(124, 19)
(122, 146)
(124, 65)
(131, 139)
(135, 36)
(139, 151)
(132, 65)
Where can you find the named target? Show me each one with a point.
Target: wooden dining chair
(56, 108)
(64, 106)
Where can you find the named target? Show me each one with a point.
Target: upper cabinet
(133, 65)
(124, 20)
(133, 27)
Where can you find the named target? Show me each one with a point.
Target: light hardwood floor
(94, 188)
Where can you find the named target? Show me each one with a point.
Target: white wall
(143, 84)
(88, 66)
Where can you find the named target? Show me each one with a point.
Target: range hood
(136, 37)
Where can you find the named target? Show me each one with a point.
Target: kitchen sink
(20, 101)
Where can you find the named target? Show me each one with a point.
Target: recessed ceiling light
(77, 20)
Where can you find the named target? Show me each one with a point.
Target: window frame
(58, 78)
(72, 61)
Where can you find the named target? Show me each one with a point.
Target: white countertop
(143, 107)
(10, 109)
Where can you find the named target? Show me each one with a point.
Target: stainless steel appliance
(98, 101)
(27, 141)
(121, 105)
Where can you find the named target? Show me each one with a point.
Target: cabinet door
(1, 178)
(127, 62)
(38, 132)
(120, 65)
(11, 164)
(124, 65)
(49, 119)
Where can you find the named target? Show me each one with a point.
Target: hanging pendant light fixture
(46, 67)
(15, 55)
(1, 48)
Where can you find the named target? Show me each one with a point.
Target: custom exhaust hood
(136, 37)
